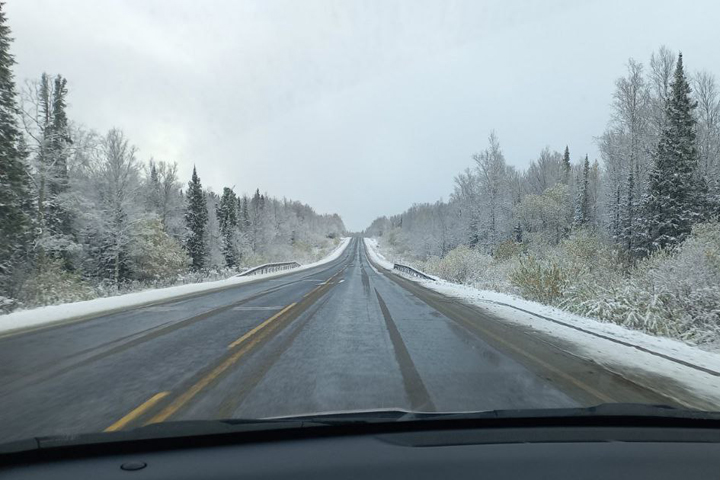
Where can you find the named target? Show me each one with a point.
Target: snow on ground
(56, 313)
(635, 355)
(375, 255)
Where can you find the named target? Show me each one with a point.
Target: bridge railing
(411, 271)
(268, 268)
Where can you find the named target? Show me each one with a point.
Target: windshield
(259, 209)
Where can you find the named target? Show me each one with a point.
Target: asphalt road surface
(341, 336)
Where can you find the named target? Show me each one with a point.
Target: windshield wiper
(373, 421)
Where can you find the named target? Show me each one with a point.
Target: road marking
(164, 308)
(137, 412)
(245, 346)
(246, 309)
(259, 327)
(216, 372)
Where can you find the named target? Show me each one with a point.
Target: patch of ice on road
(23, 319)
(585, 336)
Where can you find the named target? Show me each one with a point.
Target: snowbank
(635, 355)
(375, 255)
(56, 313)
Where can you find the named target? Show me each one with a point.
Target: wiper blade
(372, 420)
(601, 410)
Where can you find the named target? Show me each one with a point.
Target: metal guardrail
(269, 267)
(411, 271)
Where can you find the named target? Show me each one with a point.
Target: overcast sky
(356, 107)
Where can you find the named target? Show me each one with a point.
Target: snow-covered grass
(635, 355)
(673, 293)
(56, 313)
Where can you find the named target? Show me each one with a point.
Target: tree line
(81, 215)
(659, 176)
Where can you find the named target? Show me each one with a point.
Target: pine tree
(14, 182)
(53, 219)
(582, 200)
(245, 214)
(227, 218)
(518, 233)
(59, 218)
(673, 202)
(196, 219)
(566, 165)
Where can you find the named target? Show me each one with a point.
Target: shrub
(52, 284)
(539, 279)
(507, 250)
(462, 265)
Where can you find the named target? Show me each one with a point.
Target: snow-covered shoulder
(635, 355)
(632, 354)
(375, 255)
(24, 319)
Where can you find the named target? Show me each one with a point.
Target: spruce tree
(196, 219)
(582, 199)
(566, 165)
(228, 221)
(53, 219)
(673, 202)
(245, 214)
(14, 182)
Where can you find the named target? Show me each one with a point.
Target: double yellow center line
(247, 342)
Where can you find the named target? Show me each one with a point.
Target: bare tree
(708, 128)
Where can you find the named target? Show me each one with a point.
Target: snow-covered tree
(494, 200)
(155, 255)
(567, 167)
(14, 183)
(671, 206)
(46, 125)
(707, 112)
(582, 199)
(227, 218)
(196, 219)
(164, 197)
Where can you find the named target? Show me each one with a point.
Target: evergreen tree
(566, 165)
(14, 182)
(196, 219)
(227, 218)
(59, 219)
(54, 222)
(518, 233)
(582, 200)
(245, 214)
(673, 202)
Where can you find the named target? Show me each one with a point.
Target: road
(341, 336)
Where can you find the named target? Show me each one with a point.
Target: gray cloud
(360, 108)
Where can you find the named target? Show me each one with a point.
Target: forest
(83, 216)
(631, 238)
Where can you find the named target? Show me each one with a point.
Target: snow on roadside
(55, 313)
(611, 345)
(375, 255)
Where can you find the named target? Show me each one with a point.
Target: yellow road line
(260, 327)
(137, 412)
(202, 383)
(180, 401)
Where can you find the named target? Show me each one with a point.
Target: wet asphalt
(341, 336)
